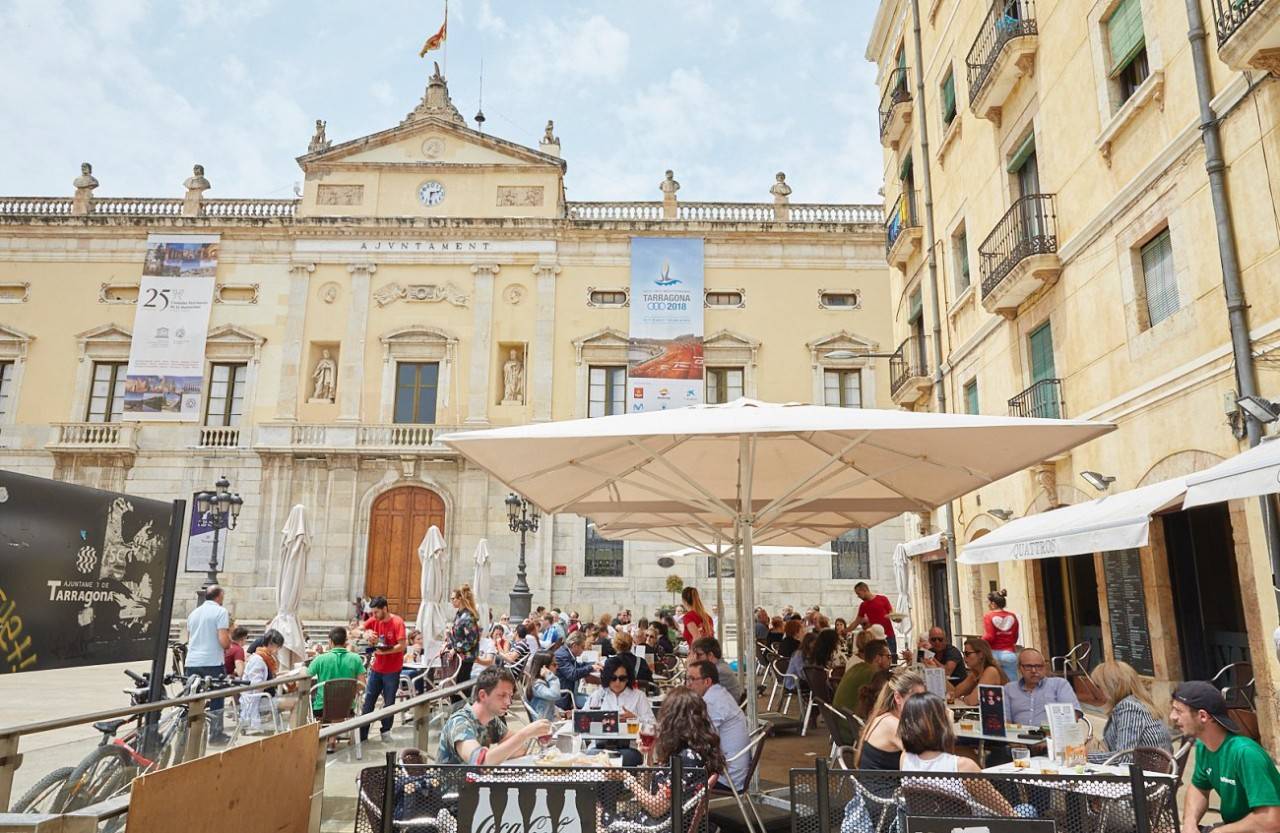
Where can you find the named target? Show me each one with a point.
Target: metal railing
(900, 218)
(1029, 227)
(1006, 20)
(909, 361)
(1043, 400)
(1230, 15)
(898, 92)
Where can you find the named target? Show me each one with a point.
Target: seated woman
(622, 646)
(1132, 717)
(775, 631)
(799, 659)
(617, 692)
(543, 691)
(261, 666)
(983, 670)
(660, 639)
(879, 747)
(790, 638)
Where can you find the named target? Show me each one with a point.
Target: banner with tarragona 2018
(664, 361)
(81, 574)
(166, 358)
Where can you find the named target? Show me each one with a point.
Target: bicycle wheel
(39, 799)
(99, 776)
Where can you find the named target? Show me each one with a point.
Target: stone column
(291, 351)
(482, 345)
(351, 360)
(538, 379)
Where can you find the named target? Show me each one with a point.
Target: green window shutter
(1124, 31)
(971, 398)
(1023, 152)
(949, 97)
(917, 306)
(905, 171)
(1159, 279)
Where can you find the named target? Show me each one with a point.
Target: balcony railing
(726, 212)
(901, 217)
(322, 437)
(1006, 20)
(212, 436)
(104, 436)
(1230, 15)
(1043, 400)
(1029, 227)
(898, 92)
(909, 361)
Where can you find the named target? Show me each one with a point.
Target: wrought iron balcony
(1043, 400)
(902, 232)
(1003, 51)
(895, 108)
(909, 370)
(1248, 33)
(1019, 256)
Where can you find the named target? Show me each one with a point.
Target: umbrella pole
(743, 653)
(719, 557)
(743, 573)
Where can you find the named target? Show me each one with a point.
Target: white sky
(725, 92)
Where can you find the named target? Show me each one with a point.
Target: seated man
(337, 663)
(1240, 770)
(707, 649)
(945, 656)
(552, 632)
(1026, 697)
(729, 721)
(570, 670)
(876, 657)
(477, 734)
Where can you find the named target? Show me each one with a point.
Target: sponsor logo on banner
(166, 358)
(665, 343)
(200, 541)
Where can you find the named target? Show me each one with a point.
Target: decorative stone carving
(14, 292)
(340, 195)
(549, 135)
(196, 185)
(329, 292)
(118, 293)
(668, 187)
(433, 147)
(236, 293)
(84, 185)
(519, 195)
(422, 292)
(436, 102)
(514, 294)
(781, 196)
(1047, 480)
(325, 377)
(318, 141)
(513, 379)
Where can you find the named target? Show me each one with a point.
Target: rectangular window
(416, 387)
(609, 297)
(843, 388)
(1159, 282)
(724, 299)
(839, 300)
(724, 384)
(971, 398)
(711, 567)
(225, 402)
(608, 391)
(851, 555)
(1128, 46)
(960, 242)
(603, 557)
(948, 99)
(6, 388)
(106, 397)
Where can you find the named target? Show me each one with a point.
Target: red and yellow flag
(437, 40)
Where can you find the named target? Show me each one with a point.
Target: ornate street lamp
(522, 517)
(219, 510)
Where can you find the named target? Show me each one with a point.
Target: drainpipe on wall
(1237, 307)
(935, 305)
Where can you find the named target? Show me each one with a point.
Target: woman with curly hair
(464, 636)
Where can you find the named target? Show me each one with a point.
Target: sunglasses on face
(619, 678)
(970, 653)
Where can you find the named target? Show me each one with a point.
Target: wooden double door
(398, 522)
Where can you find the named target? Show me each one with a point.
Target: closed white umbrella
(790, 473)
(432, 617)
(902, 572)
(295, 543)
(480, 582)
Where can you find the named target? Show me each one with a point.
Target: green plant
(675, 585)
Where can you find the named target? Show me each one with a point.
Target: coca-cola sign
(527, 807)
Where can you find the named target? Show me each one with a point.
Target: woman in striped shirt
(1132, 717)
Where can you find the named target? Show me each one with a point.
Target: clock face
(431, 193)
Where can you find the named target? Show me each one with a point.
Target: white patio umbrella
(295, 543)
(902, 572)
(787, 474)
(432, 616)
(480, 582)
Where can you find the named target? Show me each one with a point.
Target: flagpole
(446, 38)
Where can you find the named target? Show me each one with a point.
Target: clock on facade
(431, 193)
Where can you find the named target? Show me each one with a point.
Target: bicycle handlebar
(140, 679)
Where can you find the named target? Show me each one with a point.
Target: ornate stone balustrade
(219, 437)
(313, 438)
(35, 205)
(614, 210)
(93, 436)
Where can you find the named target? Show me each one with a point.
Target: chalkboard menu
(1127, 609)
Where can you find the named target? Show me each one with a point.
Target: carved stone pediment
(429, 293)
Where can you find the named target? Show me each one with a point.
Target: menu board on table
(1127, 609)
(595, 721)
(991, 708)
(1067, 735)
(935, 680)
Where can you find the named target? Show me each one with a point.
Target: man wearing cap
(1227, 761)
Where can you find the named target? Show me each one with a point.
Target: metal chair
(1074, 663)
(754, 750)
(844, 727)
(339, 706)
(781, 676)
(1149, 758)
(695, 806)
(1236, 683)
(842, 757)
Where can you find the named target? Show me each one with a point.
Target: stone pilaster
(538, 384)
(351, 358)
(482, 345)
(291, 352)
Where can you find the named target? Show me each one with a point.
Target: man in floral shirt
(478, 734)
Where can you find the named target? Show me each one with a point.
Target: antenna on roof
(480, 110)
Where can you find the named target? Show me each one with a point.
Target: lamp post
(522, 517)
(219, 510)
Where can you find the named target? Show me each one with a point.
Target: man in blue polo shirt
(208, 638)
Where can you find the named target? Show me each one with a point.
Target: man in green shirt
(877, 658)
(1240, 770)
(337, 663)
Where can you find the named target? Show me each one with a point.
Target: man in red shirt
(875, 610)
(385, 631)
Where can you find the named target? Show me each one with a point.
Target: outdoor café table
(1078, 776)
(1012, 730)
(1084, 799)
(622, 735)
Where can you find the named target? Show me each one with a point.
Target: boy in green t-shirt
(1240, 770)
(337, 663)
